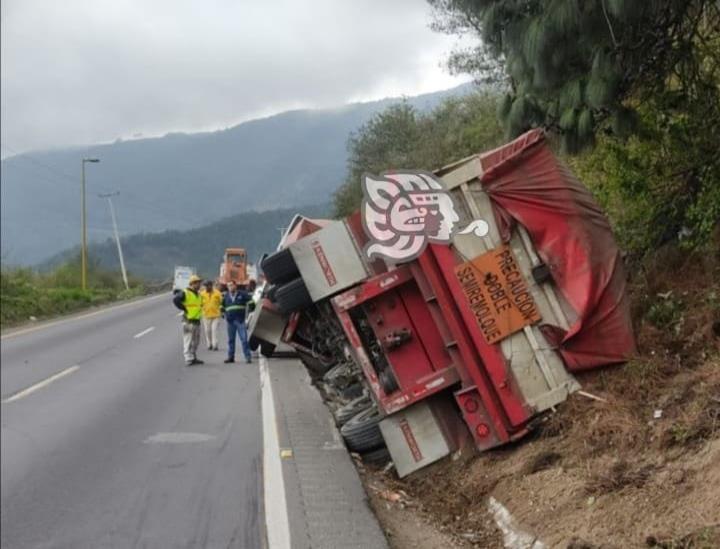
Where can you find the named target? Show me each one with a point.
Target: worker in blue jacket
(235, 305)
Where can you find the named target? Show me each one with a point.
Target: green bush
(659, 186)
(25, 293)
(666, 311)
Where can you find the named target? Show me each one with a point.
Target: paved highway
(108, 440)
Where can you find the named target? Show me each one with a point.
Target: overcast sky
(89, 71)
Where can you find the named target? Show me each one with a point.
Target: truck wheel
(352, 408)
(292, 296)
(266, 349)
(377, 457)
(279, 267)
(270, 293)
(361, 432)
(254, 343)
(339, 376)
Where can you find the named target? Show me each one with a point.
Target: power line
(138, 204)
(56, 171)
(134, 205)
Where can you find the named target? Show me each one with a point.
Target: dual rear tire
(279, 267)
(292, 296)
(362, 432)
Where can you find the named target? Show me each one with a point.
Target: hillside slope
(181, 181)
(636, 466)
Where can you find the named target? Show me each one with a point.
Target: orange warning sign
(497, 293)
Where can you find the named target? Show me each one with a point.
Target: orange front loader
(234, 267)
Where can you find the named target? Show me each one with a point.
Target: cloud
(77, 72)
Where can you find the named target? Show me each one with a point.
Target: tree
(638, 78)
(400, 137)
(580, 67)
(657, 187)
(386, 141)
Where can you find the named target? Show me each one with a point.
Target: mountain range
(180, 181)
(152, 256)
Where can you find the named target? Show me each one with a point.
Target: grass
(27, 295)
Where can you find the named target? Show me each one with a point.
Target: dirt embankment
(641, 468)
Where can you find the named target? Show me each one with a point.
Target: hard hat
(195, 278)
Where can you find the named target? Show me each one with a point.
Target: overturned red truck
(469, 341)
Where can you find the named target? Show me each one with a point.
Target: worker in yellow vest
(211, 301)
(190, 303)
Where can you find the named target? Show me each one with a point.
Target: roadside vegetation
(404, 137)
(26, 294)
(629, 93)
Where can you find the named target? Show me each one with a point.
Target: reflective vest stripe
(193, 305)
(235, 308)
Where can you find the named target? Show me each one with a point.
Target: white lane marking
(150, 329)
(80, 317)
(41, 384)
(178, 438)
(276, 516)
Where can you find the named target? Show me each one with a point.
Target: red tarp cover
(526, 183)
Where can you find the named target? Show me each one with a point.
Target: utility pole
(83, 223)
(117, 235)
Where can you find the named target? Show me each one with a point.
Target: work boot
(197, 361)
(248, 360)
(228, 360)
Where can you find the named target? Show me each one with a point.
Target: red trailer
(471, 340)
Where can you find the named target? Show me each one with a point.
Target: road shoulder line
(320, 476)
(276, 515)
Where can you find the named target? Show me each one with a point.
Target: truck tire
(361, 432)
(254, 343)
(292, 296)
(270, 292)
(377, 457)
(279, 267)
(352, 408)
(266, 349)
(339, 377)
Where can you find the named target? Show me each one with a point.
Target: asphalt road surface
(108, 440)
